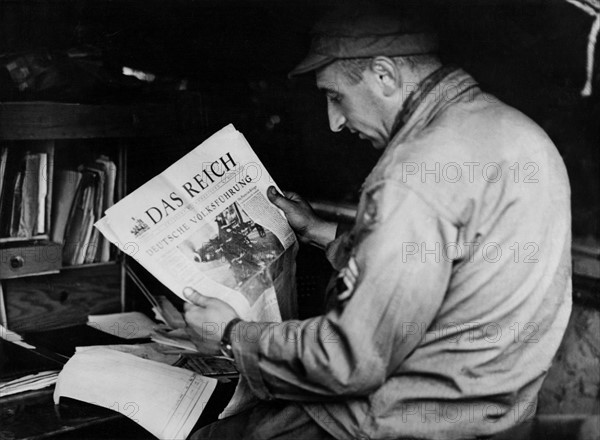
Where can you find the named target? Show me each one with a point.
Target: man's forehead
(327, 78)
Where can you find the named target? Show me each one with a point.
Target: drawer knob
(17, 262)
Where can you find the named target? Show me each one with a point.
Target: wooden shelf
(53, 120)
(89, 265)
(36, 291)
(19, 240)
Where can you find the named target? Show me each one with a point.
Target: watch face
(227, 350)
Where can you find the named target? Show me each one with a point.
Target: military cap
(361, 31)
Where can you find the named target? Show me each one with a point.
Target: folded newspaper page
(206, 222)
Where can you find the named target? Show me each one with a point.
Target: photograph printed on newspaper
(205, 222)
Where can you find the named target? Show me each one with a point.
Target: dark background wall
(236, 55)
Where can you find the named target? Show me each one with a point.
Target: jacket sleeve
(335, 248)
(400, 281)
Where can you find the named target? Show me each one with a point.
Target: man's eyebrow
(326, 89)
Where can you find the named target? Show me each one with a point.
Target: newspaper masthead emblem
(139, 227)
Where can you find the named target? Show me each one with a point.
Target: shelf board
(88, 265)
(54, 120)
(17, 240)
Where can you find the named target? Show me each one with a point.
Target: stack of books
(25, 195)
(39, 203)
(81, 197)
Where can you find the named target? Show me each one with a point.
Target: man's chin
(377, 144)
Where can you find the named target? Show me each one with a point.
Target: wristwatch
(226, 347)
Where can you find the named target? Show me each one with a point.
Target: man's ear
(387, 74)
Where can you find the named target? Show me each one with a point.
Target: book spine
(42, 192)
(49, 185)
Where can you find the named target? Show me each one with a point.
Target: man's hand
(309, 227)
(206, 319)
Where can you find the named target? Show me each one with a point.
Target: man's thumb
(277, 199)
(194, 297)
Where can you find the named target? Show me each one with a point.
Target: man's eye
(333, 97)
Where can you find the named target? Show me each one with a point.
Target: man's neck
(413, 76)
(423, 71)
(419, 75)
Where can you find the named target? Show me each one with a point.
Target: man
(454, 283)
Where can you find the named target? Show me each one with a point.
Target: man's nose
(336, 118)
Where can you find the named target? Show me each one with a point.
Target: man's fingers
(278, 199)
(285, 201)
(273, 194)
(291, 195)
(194, 297)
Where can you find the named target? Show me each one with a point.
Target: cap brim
(312, 62)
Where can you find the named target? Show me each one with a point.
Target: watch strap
(226, 346)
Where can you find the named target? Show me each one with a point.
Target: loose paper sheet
(152, 350)
(165, 400)
(130, 325)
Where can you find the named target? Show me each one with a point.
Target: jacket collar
(441, 88)
(444, 87)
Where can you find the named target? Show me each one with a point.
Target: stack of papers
(177, 338)
(23, 368)
(28, 383)
(152, 351)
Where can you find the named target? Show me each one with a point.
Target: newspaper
(206, 222)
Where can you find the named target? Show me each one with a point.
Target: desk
(33, 415)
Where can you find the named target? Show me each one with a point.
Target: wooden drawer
(17, 260)
(65, 299)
